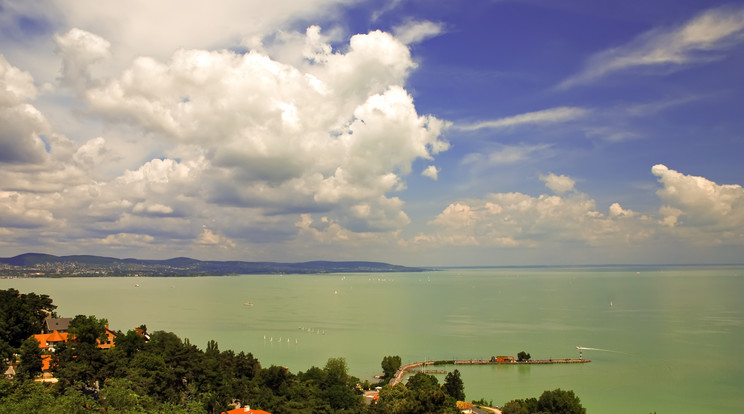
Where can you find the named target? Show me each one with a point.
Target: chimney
(247, 408)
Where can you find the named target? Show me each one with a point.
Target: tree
(78, 365)
(560, 402)
(22, 315)
(526, 406)
(88, 329)
(6, 356)
(523, 356)
(453, 386)
(390, 365)
(30, 363)
(394, 400)
(551, 402)
(336, 386)
(129, 343)
(428, 396)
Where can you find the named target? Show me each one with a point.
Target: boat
(247, 303)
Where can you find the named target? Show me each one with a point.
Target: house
(142, 331)
(503, 359)
(50, 341)
(56, 324)
(245, 410)
(109, 342)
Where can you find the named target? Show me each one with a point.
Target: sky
(423, 133)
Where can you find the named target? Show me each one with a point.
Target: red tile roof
(245, 410)
(55, 336)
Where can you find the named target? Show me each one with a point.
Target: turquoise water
(670, 338)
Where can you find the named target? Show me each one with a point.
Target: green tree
(559, 401)
(422, 382)
(129, 343)
(454, 386)
(119, 396)
(551, 402)
(337, 388)
(78, 365)
(390, 365)
(394, 400)
(22, 315)
(523, 356)
(30, 361)
(428, 396)
(526, 406)
(88, 329)
(6, 356)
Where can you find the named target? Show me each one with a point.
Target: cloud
(16, 86)
(417, 31)
(79, 50)
(127, 240)
(25, 211)
(560, 184)
(695, 210)
(696, 203)
(241, 143)
(520, 220)
(506, 155)
(158, 28)
(22, 124)
(155, 209)
(208, 237)
(695, 41)
(546, 116)
(431, 172)
(346, 131)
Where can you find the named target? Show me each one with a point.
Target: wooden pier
(405, 369)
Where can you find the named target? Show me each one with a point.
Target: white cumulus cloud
(431, 171)
(693, 202)
(22, 123)
(560, 184)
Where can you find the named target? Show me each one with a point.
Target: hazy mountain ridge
(41, 265)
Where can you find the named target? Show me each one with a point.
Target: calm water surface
(670, 339)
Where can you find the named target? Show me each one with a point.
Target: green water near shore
(671, 337)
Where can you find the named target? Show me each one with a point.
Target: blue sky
(413, 132)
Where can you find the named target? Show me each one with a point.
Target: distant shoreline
(38, 265)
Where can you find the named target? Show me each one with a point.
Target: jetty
(407, 368)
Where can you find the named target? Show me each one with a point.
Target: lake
(666, 339)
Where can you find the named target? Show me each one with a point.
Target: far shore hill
(46, 265)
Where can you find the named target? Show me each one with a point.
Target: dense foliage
(390, 365)
(550, 402)
(421, 394)
(21, 315)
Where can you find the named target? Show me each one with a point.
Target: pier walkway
(405, 369)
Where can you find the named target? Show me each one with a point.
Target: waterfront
(669, 336)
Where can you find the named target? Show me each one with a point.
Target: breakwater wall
(405, 369)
